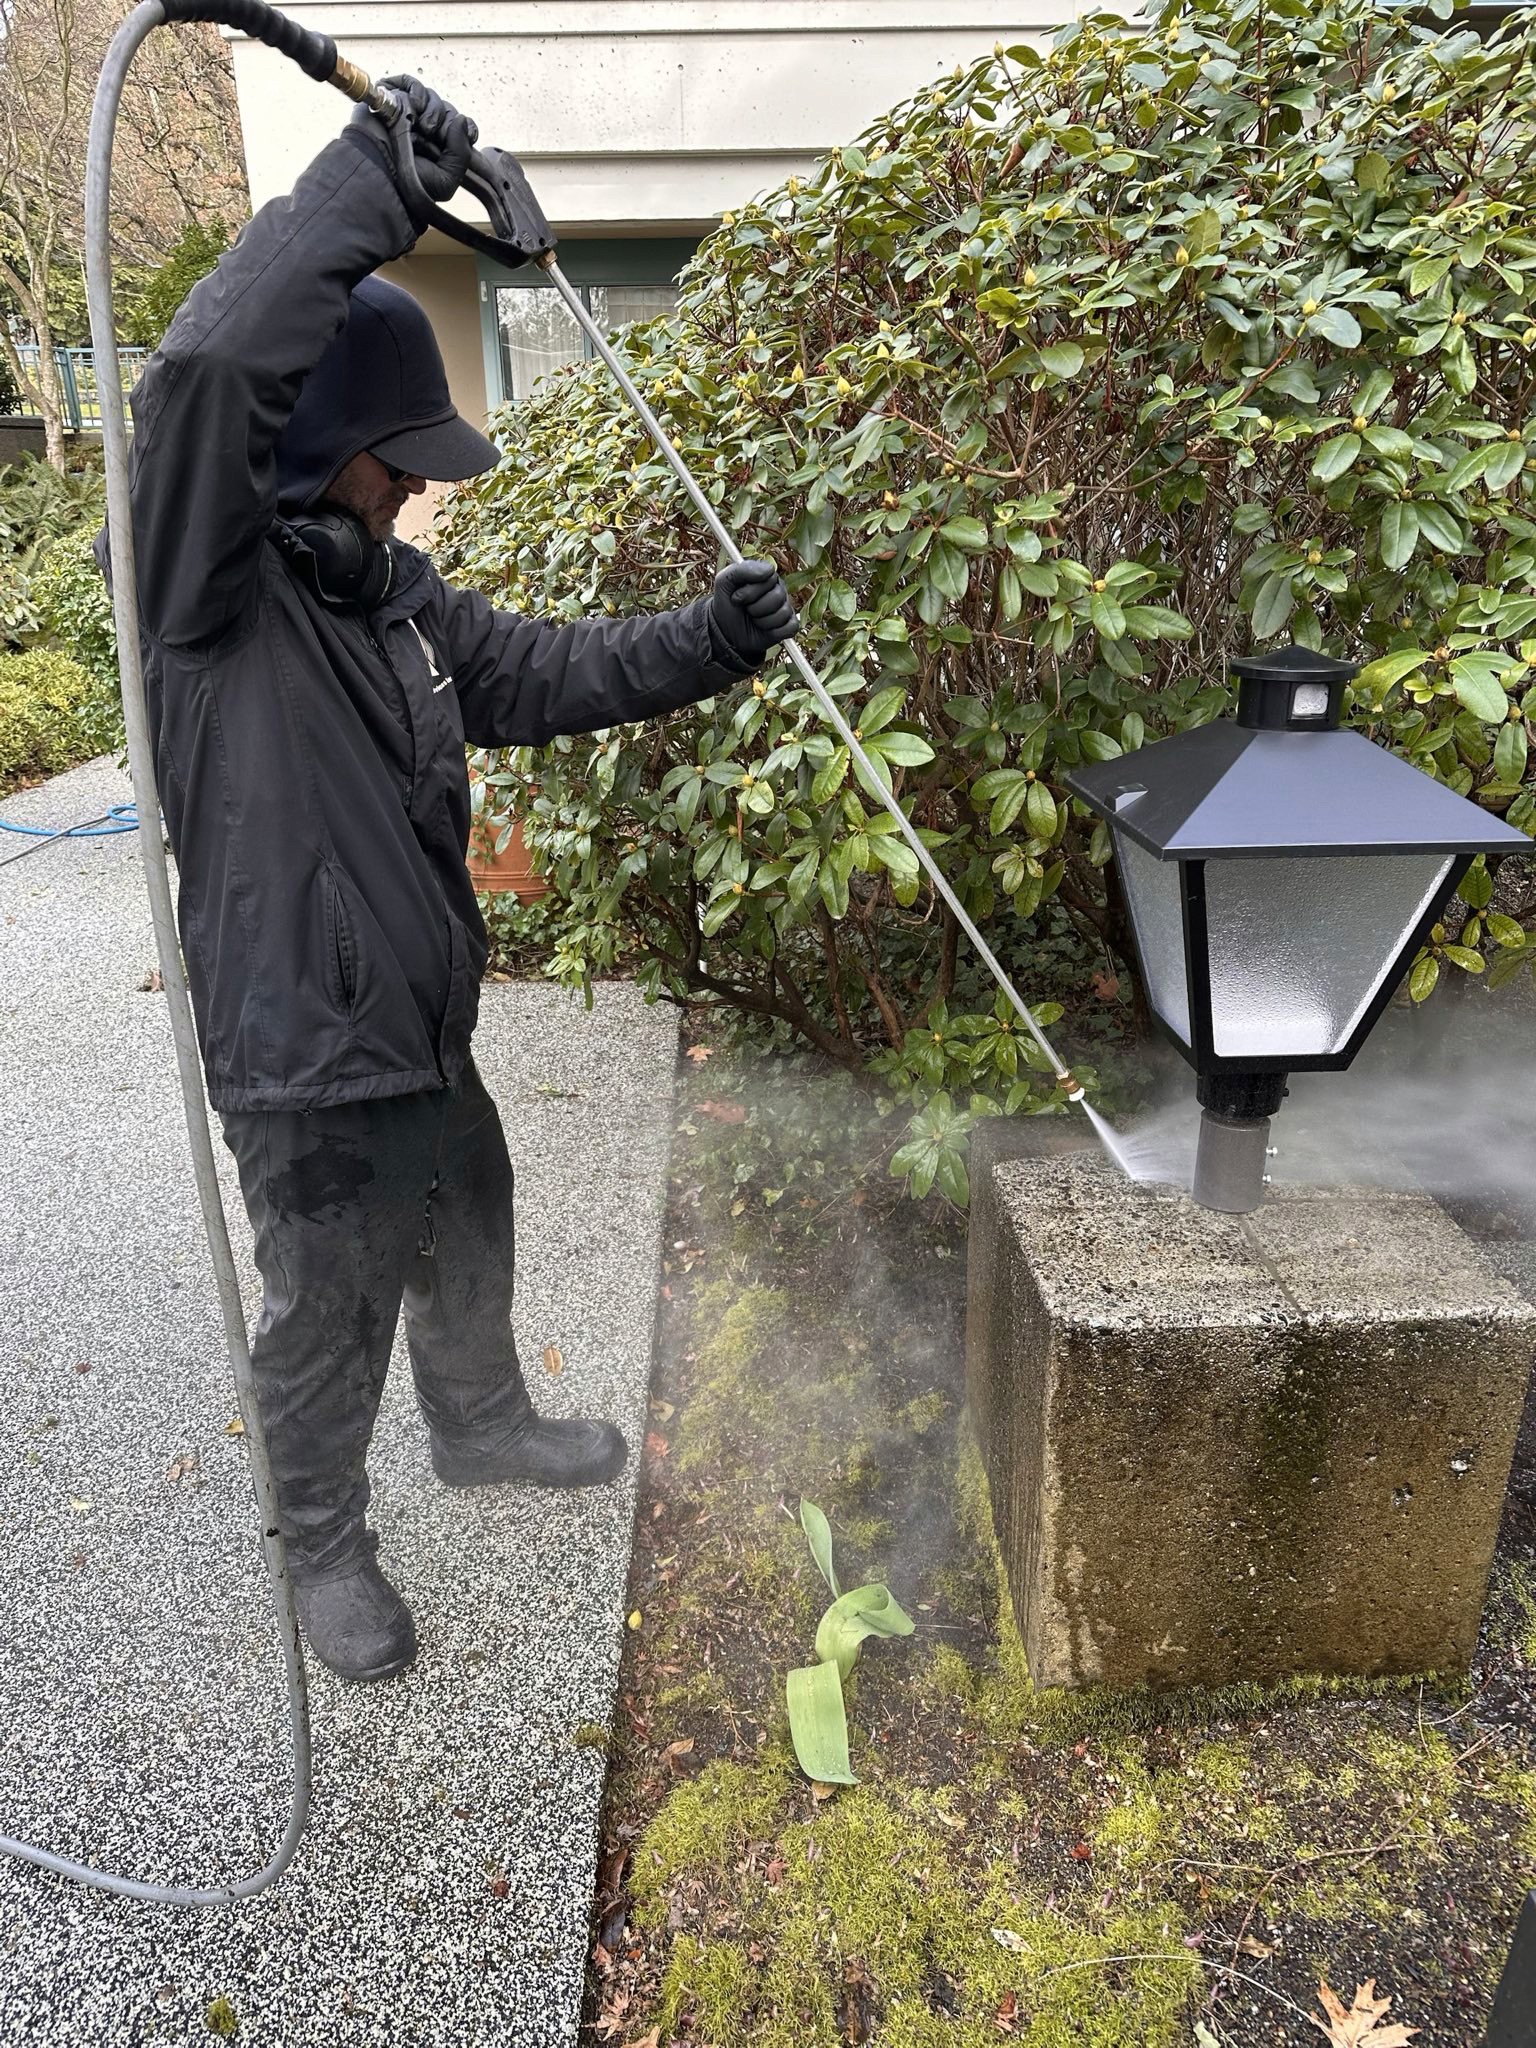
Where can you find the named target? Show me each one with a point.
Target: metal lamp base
(1229, 1164)
(1235, 1109)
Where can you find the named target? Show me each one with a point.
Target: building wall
(653, 112)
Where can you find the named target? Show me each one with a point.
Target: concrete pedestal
(1237, 1447)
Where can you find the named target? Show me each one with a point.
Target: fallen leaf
(679, 1749)
(153, 983)
(775, 1873)
(948, 1819)
(701, 1052)
(1106, 986)
(81, 1506)
(234, 1427)
(1082, 1852)
(663, 1411)
(82, 1365)
(724, 1112)
(656, 1446)
(554, 1360)
(180, 1468)
(1361, 2026)
(1250, 1946)
(1006, 1938)
(650, 2040)
(635, 1619)
(820, 1792)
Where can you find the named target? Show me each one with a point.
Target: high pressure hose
(98, 194)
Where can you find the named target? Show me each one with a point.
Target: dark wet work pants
(357, 1210)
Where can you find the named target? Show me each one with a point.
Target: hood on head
(379, 386)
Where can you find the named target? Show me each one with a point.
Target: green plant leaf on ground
(818, 1724)
(818, 1534)
(849, 1621)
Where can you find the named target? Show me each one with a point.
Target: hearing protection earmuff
(337, 557)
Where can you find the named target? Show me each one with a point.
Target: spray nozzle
(1074, 1087)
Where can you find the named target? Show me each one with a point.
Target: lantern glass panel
(1299, 945)
(1153, 891)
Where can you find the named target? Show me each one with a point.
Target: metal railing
(77, 382)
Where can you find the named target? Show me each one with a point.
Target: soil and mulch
(1103, 1869)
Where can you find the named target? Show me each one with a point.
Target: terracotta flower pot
(510, 872)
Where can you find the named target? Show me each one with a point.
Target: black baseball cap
(381, 388)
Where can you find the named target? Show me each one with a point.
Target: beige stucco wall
(445, 286)
(655, 114)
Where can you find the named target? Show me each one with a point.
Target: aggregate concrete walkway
(442, 1893)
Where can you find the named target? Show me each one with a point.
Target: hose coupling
(1074, 1087)
(351, 79)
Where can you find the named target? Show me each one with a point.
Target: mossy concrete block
(1224, 1447)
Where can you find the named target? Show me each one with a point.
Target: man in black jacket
(311, 685)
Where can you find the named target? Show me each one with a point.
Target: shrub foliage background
(1079, 373)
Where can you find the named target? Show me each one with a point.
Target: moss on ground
(1023, 1863)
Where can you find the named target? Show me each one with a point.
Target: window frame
(649, 260)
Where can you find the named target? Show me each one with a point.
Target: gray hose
(98, 200)
(796, 653)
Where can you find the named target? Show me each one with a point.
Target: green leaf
(1399, 533)
(1439, 527)
(852, 1619)
(948, 571)
(818, 1533)
(1422, 980)
(1040, 810)
(1202, 237)
(1509, 753)
(1273, 605)
(1505, 931)
(1482, 694)
(1335, 456)
(1338, 325)
(967, 533)
(1476, 889)
(900, 749)
(1062, 358)
(1106, 614)
(829, 777)
(853, 159)
(881, 709)
(1466, 958)
(1377, 677)
(1099, 746)
(818, 1724)
(1503, 464)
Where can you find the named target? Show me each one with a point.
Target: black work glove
(441, 137)
(751, 611)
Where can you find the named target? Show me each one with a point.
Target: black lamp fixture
(1280, 875)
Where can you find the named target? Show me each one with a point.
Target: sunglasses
(396, 476)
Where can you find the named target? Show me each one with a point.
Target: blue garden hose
(121, 818)
(107, 825)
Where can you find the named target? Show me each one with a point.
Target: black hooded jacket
(311, 761)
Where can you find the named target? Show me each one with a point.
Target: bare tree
(178, 160)
(42, 103)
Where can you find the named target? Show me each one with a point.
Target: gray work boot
(536, 1452)
(356, 1623)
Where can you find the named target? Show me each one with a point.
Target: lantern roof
(1224, 791)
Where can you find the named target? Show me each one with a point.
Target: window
(535, 333)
